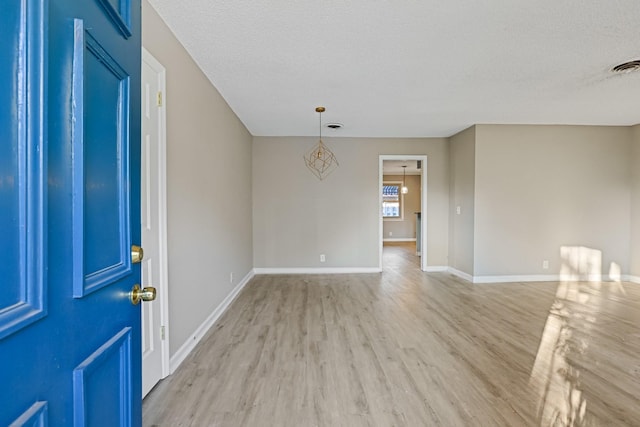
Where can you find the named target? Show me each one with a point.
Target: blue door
(69, 212)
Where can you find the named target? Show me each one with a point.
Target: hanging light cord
(405, 189)
(320, 132)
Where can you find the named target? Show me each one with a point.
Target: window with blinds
(392, 200)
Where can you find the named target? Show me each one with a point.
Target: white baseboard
(336, 270)
(582, 277)
(399, 239)
(460, 274)
(321, 270)
(186, 348)
(595, 278)
(543, 278)
(436, 268)
(517, 278)
(632, 279)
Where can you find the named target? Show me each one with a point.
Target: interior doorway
(403, 215)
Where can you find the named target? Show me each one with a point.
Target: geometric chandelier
(320, 160)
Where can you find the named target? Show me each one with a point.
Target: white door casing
(155, 333)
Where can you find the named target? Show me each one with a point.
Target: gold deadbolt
(136, 254)
(146, 294)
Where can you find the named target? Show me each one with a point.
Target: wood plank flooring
(407, 348)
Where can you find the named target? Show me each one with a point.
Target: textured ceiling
(414, 68)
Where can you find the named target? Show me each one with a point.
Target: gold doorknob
(146, 294)
(136, 254)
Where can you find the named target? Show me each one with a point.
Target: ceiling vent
(627, 67)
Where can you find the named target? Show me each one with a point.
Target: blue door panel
(102, 384)
(119, 11)
(22, 168)
(48, 333)
(9, 157)
(101, 170)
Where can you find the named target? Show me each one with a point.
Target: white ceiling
(414, 68)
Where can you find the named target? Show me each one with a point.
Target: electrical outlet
(545, 264)
(322, 258)
(390, 233)
(458, 210)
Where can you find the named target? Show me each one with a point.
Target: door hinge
(159, 99)
(162, 333)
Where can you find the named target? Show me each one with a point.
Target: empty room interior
(503, 288)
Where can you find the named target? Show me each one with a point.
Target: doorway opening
(402, 190)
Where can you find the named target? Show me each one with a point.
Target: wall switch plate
(322, 258)
(231, 277)
(545, 264)
(390, 233)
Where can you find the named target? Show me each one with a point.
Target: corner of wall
(462, 200)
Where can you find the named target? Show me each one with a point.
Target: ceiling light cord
(405, 189)
(320, 110)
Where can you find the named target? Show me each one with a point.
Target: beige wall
(539, 188)
(298, 217)
(635, 202)
(406, 228)
(462, 190)
(208, 186)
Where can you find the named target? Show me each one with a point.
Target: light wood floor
(407, 348)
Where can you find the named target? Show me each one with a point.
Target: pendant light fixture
(320, 160)
(405, 189)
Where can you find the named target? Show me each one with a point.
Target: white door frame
(423, 205)
(162, 286)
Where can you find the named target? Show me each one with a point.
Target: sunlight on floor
(576, 310)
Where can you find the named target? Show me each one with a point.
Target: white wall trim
(582, 277)
(399, 239)
(633, 279)
(194, 339)
(436, 269)
(545, 278)
(517, 278)
(460, 274)
(594, 278)
(323, 270)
